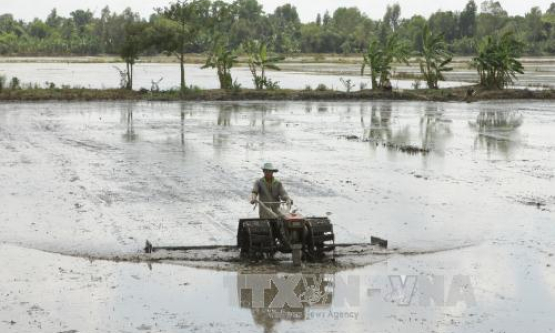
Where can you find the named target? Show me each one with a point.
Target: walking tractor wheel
(320, 238)
(255, 239)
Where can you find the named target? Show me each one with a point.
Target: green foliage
(435, 58)
(286, 25)
(2, 82)
(260, 60)
(178, 29)
(392, 16)
(379, 59)
(223, 60)
(189, 26)
(467, 20)
(133, 45)
(15, 84)
(497, 60)
(236, 87)
(321, 87)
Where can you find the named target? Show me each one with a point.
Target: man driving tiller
(270, 192)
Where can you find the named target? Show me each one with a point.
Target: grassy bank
(442, 95)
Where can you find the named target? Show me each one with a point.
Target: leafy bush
(15, 84)
(321, 87)
(271, 85)
(236, 87)
(497, 61)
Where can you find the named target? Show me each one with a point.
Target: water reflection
(273, 298)
(379, 127)
(224, 114)
(182, 129)
(497, 130)
(435, 129)
(127, 119)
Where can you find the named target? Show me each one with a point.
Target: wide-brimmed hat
(269, 167)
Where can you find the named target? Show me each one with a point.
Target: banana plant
(497, 61)
(223, 60)
(435, 58)
(380, 57)
(260, 59)
(373, 59)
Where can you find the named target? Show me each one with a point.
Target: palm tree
(436, 58)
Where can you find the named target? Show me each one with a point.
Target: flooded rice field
(463, 192)
(539, 72)
(106, 76)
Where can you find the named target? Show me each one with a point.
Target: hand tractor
(308, 239)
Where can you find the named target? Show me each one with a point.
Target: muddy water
(104, 76)
(539, 72)
(471, 204)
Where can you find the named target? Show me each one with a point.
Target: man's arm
(254, 193)
(283, 194)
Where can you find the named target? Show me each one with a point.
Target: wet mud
(85, 184)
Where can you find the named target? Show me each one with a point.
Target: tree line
(223, 30)
(346, 30)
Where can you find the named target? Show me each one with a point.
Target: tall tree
(134, 44)
(221, 56)
(53, 20)
(287, 29)
(392, 16)
(81, 18)
(467, 21)
(178, 29)
(492, 18)
(535, 25)
(446, 23)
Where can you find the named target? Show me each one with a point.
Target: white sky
(29, 9)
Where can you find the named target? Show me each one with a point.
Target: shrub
(236, 87)
(15, 83)
(321, 87)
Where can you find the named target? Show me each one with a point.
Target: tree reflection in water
(497, 130)
(379, 128)
(435, 129)
(127, 119)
